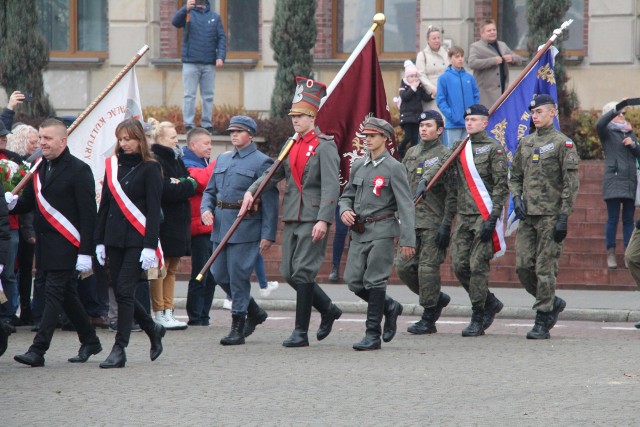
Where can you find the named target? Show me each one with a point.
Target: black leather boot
(155, 337)
(326, 322)
(492, 306)
(255, 316)
(329, 312)
(443, 301)
(426, 325)
(540, 330)
(236, 335)
(85, 352)
(558, 306)
(475, 328)
(304, 301)
(371, 340)
(4, 340)
(392, 309)
(117, 358)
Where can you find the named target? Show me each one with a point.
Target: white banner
(93, 140)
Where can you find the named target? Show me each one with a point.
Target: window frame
(379, 35)
(73, 51)
(224, 14)
(575, 53)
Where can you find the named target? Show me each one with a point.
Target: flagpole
(144, 49)
(378, 20)
(454, 155)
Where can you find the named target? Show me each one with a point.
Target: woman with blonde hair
(23, 140)
(175, 234)
(431, 62)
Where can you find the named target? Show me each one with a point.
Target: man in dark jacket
(204, 48)
(63, 197)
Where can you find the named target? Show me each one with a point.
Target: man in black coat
(63, 197)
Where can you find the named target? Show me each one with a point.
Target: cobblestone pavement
(587, 374)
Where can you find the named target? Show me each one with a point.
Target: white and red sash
(52, 215)
(482, 198)
(128, 208)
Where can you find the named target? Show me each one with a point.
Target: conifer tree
(23, 55)
(293, 37)
(544, 16)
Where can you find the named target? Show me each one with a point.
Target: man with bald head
(63, 197)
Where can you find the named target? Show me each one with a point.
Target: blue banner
(512, 119)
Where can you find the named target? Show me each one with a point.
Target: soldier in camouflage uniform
(377, 189)
(433, 215)
(544, 182)
(472, 247)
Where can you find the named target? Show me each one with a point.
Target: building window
(74, 27)
(511, 16)
(241, 20)
(398, 36)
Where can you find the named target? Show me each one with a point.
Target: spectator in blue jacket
(457, 91)
(204, 48)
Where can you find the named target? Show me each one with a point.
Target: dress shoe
(155, 337)
(326, 322)
(8, 326)
(85, 352)
(99, 322)
(35, 327)
(117, 358)
(30, 358)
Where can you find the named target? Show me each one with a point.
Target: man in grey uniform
(377, 189)
(310, 199)
(434, 214)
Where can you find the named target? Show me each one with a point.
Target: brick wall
(324, 23)
(168, 33)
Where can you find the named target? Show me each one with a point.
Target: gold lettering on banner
(499, 131)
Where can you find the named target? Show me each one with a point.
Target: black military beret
(476, 110)
(543, 99)
(430, 115)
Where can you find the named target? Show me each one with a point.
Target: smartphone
(201, 3)
(28, 96)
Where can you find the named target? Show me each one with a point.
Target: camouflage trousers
(632, 256)
(537, 259)
(421, 273)
(471, 257)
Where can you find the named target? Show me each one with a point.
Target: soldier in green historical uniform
(433, 216)
(475, 238)
(376, 192)
(544, 182)
(309, 206)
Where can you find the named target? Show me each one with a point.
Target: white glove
(148, 258)
(83, 265)
(101, 254)
(11, 200)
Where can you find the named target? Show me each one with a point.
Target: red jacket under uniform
(202, 176)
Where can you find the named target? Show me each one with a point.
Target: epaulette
(325, 137)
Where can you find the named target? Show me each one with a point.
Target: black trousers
(61, 295)
(125, 268)
(25, 267)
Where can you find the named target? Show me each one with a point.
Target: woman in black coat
(620, 146)
(127, 239)
(175, 229)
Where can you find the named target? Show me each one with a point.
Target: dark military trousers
(632, 256)
(369, 264)
(537, 259)
(421, 272)
(471, 257)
